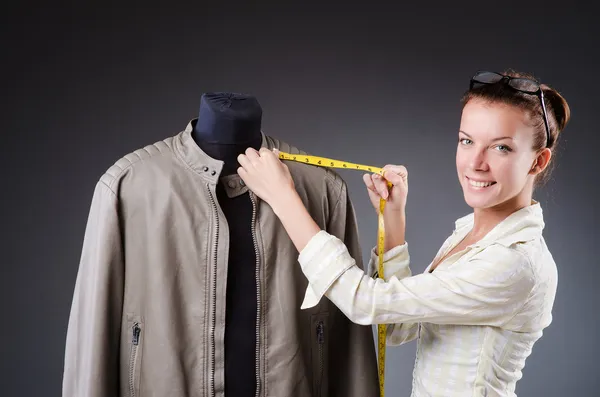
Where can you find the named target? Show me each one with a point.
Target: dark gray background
(375, 84)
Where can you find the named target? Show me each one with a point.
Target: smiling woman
(488, 294)
(494, 158)
(529, 103)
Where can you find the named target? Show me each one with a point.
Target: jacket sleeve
(488, 289)
(91, 363)
(353, 361)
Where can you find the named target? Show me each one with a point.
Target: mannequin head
(228, 123)
(228, 118)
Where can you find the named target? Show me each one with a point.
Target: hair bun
(558, 106)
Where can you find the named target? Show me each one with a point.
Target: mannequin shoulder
(307, 175)
(142, 159)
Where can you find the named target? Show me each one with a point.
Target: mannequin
(227, 124)
(188, 284)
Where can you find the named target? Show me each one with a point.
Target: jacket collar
(522, 225)
(207, 167)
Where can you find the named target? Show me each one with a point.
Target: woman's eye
(503, 148)
(465, 141)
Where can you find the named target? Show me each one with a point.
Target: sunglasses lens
(524, 85)
(487, 77)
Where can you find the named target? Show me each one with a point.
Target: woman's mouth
(480, 184)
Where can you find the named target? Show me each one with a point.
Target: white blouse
(476, 317)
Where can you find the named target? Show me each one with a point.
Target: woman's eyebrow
(495, 139)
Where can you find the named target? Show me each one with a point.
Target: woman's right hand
(396, 195)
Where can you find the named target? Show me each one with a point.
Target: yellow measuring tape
(330, 163)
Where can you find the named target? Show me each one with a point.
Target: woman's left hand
(266, 175)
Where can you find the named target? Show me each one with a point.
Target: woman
(488, 294)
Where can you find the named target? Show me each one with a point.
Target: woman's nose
(479, 160)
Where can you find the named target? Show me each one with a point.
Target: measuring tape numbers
(331, 163)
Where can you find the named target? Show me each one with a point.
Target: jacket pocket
(320, 357)
(136, 333)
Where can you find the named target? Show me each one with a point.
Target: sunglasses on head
(520, 84)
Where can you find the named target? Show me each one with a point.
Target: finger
(245, 161)
(394, 178)
(396, 174)
(276, 152)
(369, 182)
(264, 154)
(242, 173)
(252, 154)
(380, 185)
(372, 192)
(374, 197)
(379, 181)
(397, 169)
(270, 155)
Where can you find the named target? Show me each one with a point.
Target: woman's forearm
(301, 227)
(296, 219)
(395, 227)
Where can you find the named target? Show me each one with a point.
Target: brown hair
(557, 109)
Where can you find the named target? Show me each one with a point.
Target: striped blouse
(476, 317)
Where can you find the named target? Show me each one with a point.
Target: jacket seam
(334, 177)
(109, 188)
(117, 176)
(338, 200)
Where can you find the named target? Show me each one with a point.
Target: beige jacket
(148, 311)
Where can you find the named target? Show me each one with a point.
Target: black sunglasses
(520, 84)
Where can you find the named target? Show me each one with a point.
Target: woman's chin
(479, 201)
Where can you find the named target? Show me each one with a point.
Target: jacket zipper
(320, 341)
(136, 330)
(214, 295)
(258, 297)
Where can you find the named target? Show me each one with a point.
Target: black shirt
(241, 309)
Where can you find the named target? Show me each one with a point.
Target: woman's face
(494, 155)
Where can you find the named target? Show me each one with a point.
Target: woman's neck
(485, 219)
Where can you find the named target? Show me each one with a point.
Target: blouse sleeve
(488, 289)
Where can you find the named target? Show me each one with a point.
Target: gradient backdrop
(375, 84)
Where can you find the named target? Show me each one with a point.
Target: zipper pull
(136, 333)
(321, 332)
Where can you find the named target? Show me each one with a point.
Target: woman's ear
(541, 161)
